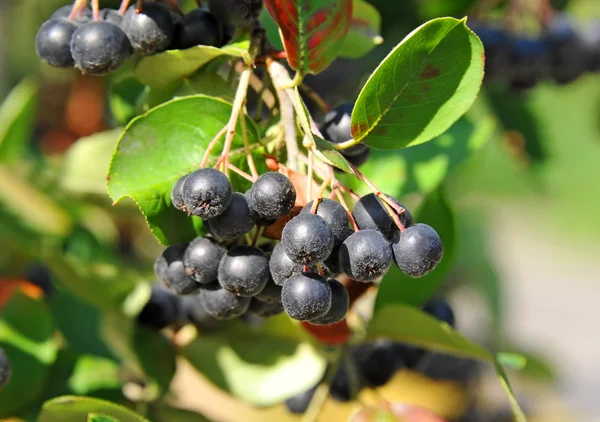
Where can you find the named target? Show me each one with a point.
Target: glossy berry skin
(282, 267)
(264, 309)
(170, 271)
(161, 310)
(222, 304)
(337, 129)
(244, 270)
(207, 193)
(234, 221)
(238, 13)
(335, 215)
(5, 369)
(53, 42)
(201, 259)
(365, 256)
(112, 16)
(300, 402)
(332, 265)
(65, 11)
(177, 194)
(272, 196)
(440, 309)
(306, 296)
(199, 27)
(99, 48)
(307, 239)
(417, 250)
(151, 30)
(340, 303)
(376, 362)
(370, 214)
(271, 293)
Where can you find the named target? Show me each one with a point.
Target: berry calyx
(307, 239)
(99, 47)
(370, 214)
(417, 250)
(365, 255)
(53, 42)
(244, 270)
(170, 271)
(201, 259)
(306, 296)
(150, 31)
(207, 193)
(272, 196)
(340, 303)
(234, 221)
(222, 304)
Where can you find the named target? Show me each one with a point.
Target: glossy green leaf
(96, 417)
(17, 119)
(86, 163)
(77, 409)
(206, 83)
(164, 69)
(256, 364)
(364, 33)
(533, 365)
(93, 373)
(124, 99)
(332, 156)
(27, 337)
(421, 88)
(162, 145)
(399, 288)
(511, 360)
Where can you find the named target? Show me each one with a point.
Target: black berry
(337, 129)
(222, 304)
(207, 193)
(282, 267)
(264, 309)
(112, 16)
(234, 221)
(358, 159)
(366, 255)
(199, 27)
(417, 250)
(332, 265)
(201, 259)
(177, 194)
(307, 239)
(370, 214)
(341, 389)
(65, 11)
(161, 310)
(193, 311)
(53, 42)
(40, 276)
(99, 47)
(306, 296)
(151, 30)
(5, 369)
(169, 270)
(440, 309)
(340, 302)
(271, 293)
(238, 13)
(376, 362)
(300, 402)
(272, 196)
(335, 215)
(244, 270)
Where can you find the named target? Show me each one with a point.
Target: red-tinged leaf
(312, 30)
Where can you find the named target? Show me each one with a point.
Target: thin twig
(343, 202)
(257, 233)
(211, 146)
(309, 175)
(249, 157)
(124, 6)
(96, 10)
(240, 172)
(78, 6)
(316, 98)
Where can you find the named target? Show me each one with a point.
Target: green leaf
(364, 33)
(399, 288)
(257, 364)
(165, 69)
(95, 417)
(124, 99)
(533, 365)
(77, 409)
(511, 360)
(332, 156)
(421, 88)
(206, 83)
(272, 30)
(163, 412)
(17, 120)
(162, 145)
(86, 163)
(27, 337)
(517, 412)
(93, 373)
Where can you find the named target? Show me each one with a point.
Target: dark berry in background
(272, 196)
(370, 214)
(207, 193)
(244, 270)
(376, 362)
(5, 369)
(161, 310)
(307, 239)
(193, 311)
(264, 309)
(237, 13)
(99, 48)
(201, 259)
(199, 27)
(440, 309)
(365, 255)
(53, 42)
(417, 250)
(337, 129)
(170, 271)
(306, 296)
(300, 402)
(151, 30)
(222, 304)
(340, 303)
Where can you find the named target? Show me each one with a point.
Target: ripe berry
(358, 159)
(234, 221)
(336, 129)
(201, 259)
(65, 11)
(366, 255)
(440, 309)
(238, 13)
(5, 369)
(151, 30)
(340, 303)
(53, 42)
(199, 27)
(161, 310)
(264, 309)
(340, 388)
(272, 196)
(306, 296)
(335, 215)
(193, 311)
(207, 193)
(370, 214)
(169, 270)
(441, 366)
(282, 267)
(332, 265)
(222, 304)
(177, 194)
(271, 293)
(300, 402)
(39, 275)
(258, 220)
(376, 362)
(307, 239)
(112, 16)
(244, 270)
(417, 250)
(99, 47)
(566, 50)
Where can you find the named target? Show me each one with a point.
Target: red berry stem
(240, 172)
(124, 6)
(211, 146)
(78, 7)
(247, 151)
(343, 203)
(316, 98)
(96, 10)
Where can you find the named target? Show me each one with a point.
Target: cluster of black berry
(562, 53)
(373, 364)
(99, 45)
(298, 276)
